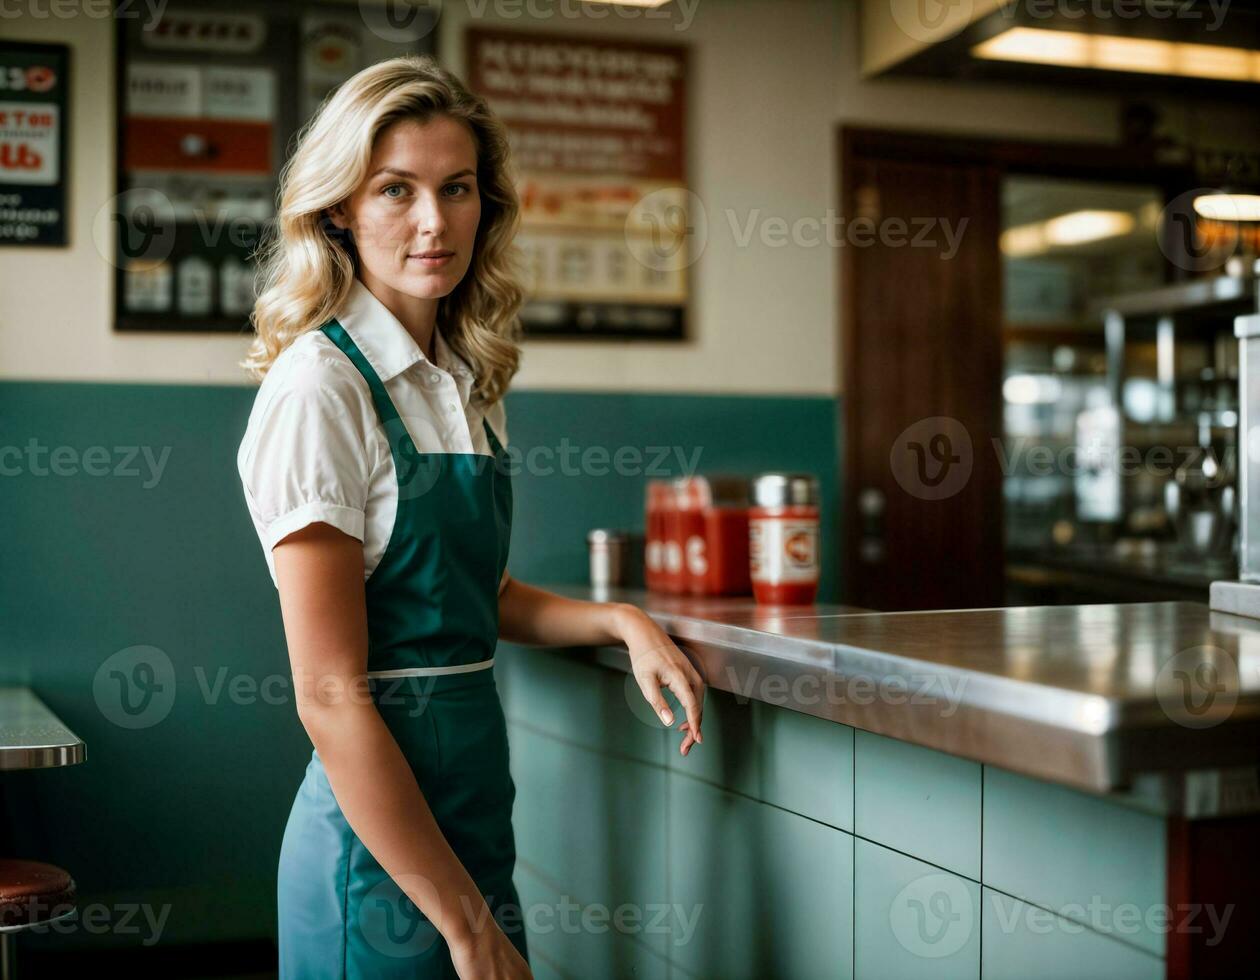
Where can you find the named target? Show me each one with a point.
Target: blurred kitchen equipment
(783, 538)
(1201, 499)
(1243, 596)
(609, 552)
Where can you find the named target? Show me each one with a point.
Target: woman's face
(415, 217)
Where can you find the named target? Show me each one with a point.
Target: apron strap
(400, 443)
(495, 446)
(384, 406)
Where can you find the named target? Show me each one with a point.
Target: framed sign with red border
(598, 134)
(211, 94)
(34, 93)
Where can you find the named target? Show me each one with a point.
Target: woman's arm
(319, 571)
(534, 616)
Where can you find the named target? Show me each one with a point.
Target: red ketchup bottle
(783, 539)
(717, 559)
(659, 502)
(684, 547)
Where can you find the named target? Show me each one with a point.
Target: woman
(373, 468)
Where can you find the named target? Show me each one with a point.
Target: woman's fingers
(677, 683)
(652, 695)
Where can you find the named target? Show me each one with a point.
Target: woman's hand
(489, 955)
(657, 663)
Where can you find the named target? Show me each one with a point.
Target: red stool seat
(32, 892)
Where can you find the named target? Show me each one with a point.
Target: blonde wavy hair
(307, 265)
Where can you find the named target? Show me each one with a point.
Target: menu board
(211, 93)
(33, 90)
(597, 129)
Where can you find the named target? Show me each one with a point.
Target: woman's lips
(431, 260)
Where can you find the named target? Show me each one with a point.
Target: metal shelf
(1199, 294)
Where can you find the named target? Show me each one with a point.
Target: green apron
(433, 622)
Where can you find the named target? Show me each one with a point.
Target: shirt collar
(385, 342)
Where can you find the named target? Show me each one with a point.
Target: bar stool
(31, 893)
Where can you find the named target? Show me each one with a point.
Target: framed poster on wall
(34, 87)
(597, 129)
(211, 93)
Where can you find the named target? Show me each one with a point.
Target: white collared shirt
(314, 448)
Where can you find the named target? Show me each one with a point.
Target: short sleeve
(304, 459)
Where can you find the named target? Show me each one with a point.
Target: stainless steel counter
(31, 736)
(1101, 697)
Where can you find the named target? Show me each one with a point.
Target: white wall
(770, 81)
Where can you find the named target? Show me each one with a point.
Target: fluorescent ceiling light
(1228, 207)
(1110, 53)
(1073, 228)
(1087, 226)
(1024, 240)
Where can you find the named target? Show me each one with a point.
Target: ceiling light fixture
(1228, 207)
(1073, 228)
(1105, 52)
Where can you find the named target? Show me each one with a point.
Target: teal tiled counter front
(792, 846)
(883, 795)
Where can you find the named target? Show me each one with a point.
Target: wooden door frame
(1085, 161)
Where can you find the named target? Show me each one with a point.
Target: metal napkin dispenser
(1243, 597)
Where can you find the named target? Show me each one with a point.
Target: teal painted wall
(184, 812)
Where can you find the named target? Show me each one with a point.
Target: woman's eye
(457, 190)
(386, 190)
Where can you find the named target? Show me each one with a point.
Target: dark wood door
(922, 369)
